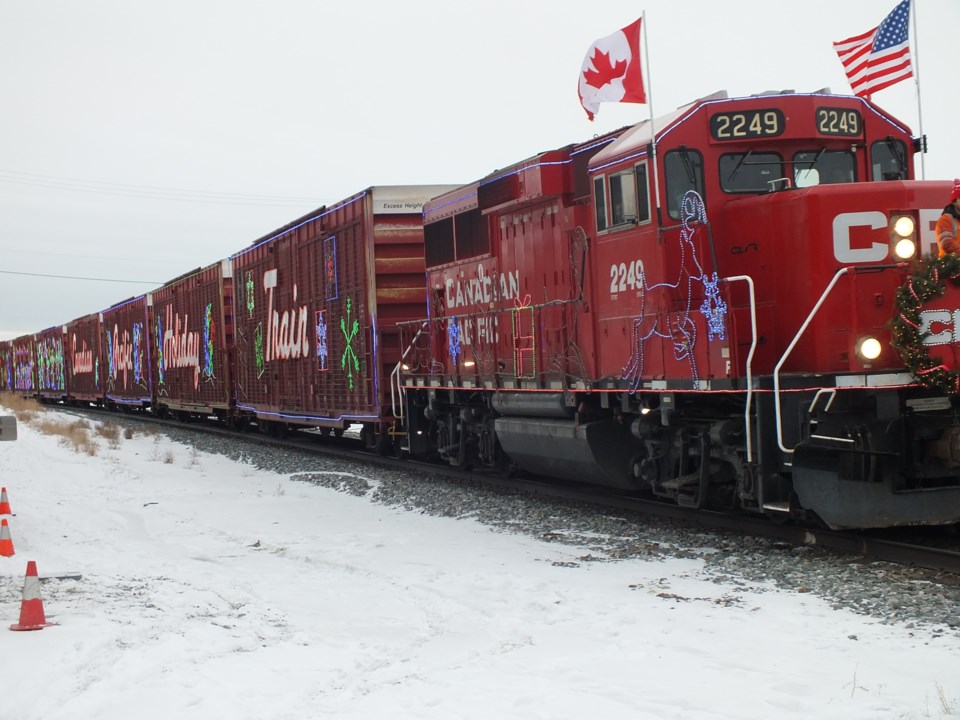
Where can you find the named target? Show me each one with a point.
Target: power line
(75, 277)
(154, 192)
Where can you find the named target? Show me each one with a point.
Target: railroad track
(873, 546)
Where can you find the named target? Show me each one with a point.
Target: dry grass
(111, 433)
(26, 409)
(108, 431)
(77, 435)
(17, 403)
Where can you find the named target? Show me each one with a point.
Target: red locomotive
(698, 308)
(726, 307)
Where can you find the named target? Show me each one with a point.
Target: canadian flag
(611, 70)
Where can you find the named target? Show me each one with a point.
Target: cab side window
(600, 202)
(684, 171)
(888, 160)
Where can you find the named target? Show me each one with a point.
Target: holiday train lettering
(82, 358)
(287, 336)
(181, 349)
(121, 354)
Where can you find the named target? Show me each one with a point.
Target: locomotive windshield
(832, 166)
(749, 172)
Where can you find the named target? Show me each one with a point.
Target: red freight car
(126, 349)
(83, 355)
(193, 342)
(316, 308)
(24, 360)
(50, 368)
(6, 365)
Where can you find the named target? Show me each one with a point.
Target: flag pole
(916, 75)
(653, 130)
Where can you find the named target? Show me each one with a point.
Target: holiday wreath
(927, 282)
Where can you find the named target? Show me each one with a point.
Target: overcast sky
(140, 140)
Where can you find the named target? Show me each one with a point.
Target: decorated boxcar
(316, 306)
(82, 350)
(24, 365)
(6, 365)
(192, 338)
(126, 354)
(50, 364)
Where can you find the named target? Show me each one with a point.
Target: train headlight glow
(868, 348)
(904, 226)
(905, 249)
(903, 238)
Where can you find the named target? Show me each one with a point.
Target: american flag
(880, 57)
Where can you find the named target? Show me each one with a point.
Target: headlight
(905, 249)
(903, 236)
(904, 226)
(868, 348)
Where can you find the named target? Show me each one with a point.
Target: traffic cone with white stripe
(6, 542)
(4, 503)
(31, 608)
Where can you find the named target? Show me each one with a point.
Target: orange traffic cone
(4, 503)
(31, 607)
(6, 542)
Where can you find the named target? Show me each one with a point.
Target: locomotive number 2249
(626, 275)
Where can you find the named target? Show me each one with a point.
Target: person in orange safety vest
(947, 224)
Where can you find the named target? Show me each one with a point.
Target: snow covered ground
(210, 589)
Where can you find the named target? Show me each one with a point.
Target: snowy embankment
(213, 589)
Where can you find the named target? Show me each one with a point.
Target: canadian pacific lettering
(476, 294)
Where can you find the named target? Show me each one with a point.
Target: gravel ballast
(890, 593)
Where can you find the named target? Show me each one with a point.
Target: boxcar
(316, 308)
(24, 377)
(193, 341)
(6, 365)
(50, 368)
(83, 356)
(126, 349)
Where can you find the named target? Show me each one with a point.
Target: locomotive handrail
(796, 338)
(395, 383)
(776, 371)
(749, 364)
